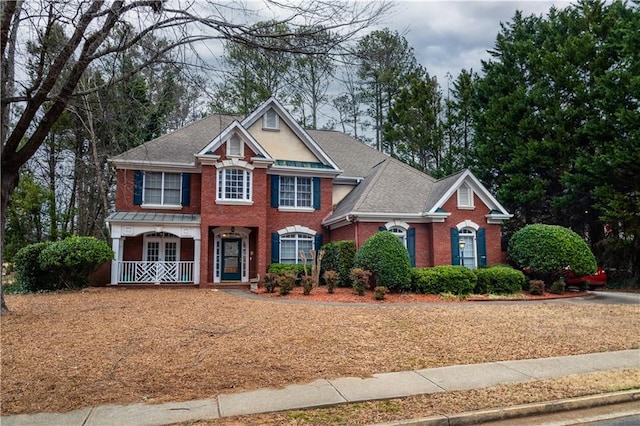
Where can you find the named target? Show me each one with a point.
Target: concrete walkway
(324, 392)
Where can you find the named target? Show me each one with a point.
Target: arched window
(401, 233)
(468, 249)
(292, 244)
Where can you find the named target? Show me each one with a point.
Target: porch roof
(151, 217)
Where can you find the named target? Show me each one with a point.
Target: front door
(231, 259)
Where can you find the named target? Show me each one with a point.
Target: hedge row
(462, 280)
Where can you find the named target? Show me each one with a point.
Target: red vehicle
(599, 279)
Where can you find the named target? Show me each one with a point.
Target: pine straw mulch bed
(65, 351)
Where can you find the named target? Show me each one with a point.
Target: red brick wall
(124, 195)
(133, 248)
(442, 235)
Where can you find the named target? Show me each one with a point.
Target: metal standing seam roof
(153, 217)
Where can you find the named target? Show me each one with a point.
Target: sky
(448, 36)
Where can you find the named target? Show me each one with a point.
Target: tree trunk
(9, 184)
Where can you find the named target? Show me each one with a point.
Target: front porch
(155, 248)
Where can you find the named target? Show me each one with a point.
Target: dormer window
(270, 120)
(465, 197)
(235, 146)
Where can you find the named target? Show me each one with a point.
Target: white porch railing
(155, 272)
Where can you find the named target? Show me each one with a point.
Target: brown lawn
(70, 350)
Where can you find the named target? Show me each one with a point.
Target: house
(214, 203)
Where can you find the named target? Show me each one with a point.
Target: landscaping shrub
(388, 260)
(536, 287)
(30, 277)
(280, 268)
(73, 259)
(453, 279)
(360, 279)
(557, 287)
(271, 281)
(338, 256)
(546, 250)
(331, 279)
(499, 280)
(307, 285)
(380, 292)
(287, 282)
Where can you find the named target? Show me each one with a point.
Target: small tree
(546, 251)
(339, 257)
(388, 260)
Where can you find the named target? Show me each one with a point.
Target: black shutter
(138, 182)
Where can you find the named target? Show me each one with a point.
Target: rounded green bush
(443, 279)
(388, 260)
(548, 249)
(30, 277)
(73, 259)
(499, 280)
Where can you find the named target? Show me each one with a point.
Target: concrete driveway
(606, 297)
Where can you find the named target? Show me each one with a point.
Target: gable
(287, 141)
(446, 197)
(282, 144)
(234, 136)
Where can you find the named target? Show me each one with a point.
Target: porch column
(117, 245)
(196, 261)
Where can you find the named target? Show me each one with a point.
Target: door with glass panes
(161, 256)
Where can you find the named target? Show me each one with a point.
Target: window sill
(296, 209)
(162, 206)
(271, 129)
(466, 207)
(235, 202)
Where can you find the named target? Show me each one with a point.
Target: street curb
(524, 410)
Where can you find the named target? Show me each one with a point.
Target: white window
(292, 244)
(235, 146)
(401, 233)
(296, 191)
(234, 184)
(468, 249)
(270, 120)
(162, 188)
(465, 196)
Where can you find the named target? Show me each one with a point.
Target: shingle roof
(353, 157)
(179, 146)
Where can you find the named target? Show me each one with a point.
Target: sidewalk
(337, 391)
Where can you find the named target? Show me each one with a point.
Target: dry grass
(70, 350)
(373, 412)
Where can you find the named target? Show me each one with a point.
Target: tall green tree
(558, 117)
(414, 123)
(252, 75)
(385, 60)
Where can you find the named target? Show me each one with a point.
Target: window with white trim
(162, 188)
(234, 146)
(465, 196)
(468, 249)
(270, 120)
(296, 191)
(234, 184)
(401, 233)
(292, 244)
